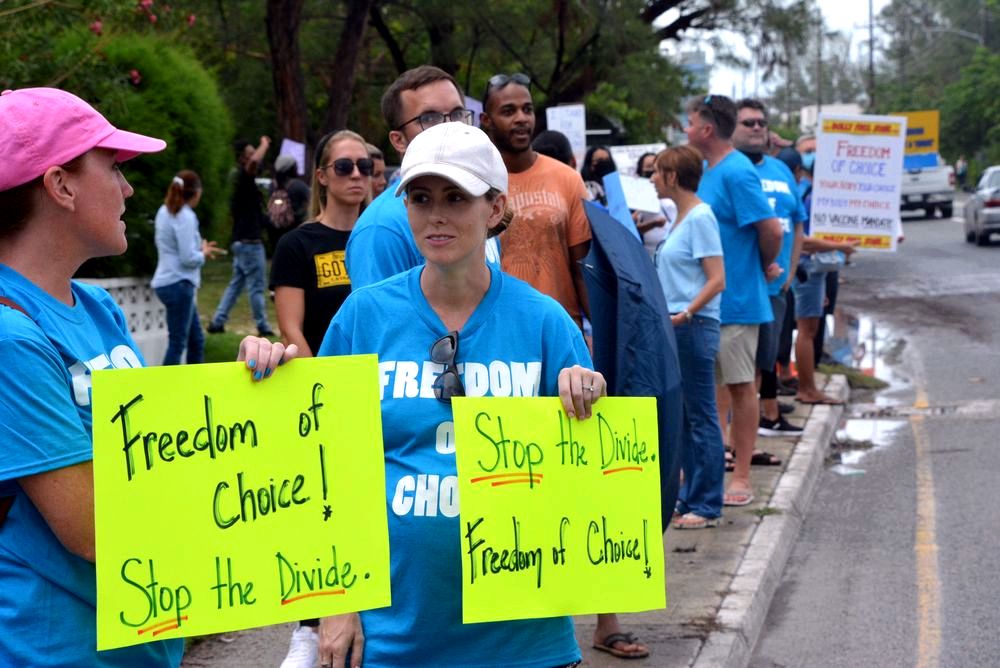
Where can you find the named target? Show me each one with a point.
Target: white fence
(147, 319)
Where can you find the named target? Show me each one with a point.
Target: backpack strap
(7, 501)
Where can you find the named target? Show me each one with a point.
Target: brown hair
(684, 161)
(418, 77)
(505, 221)
(718, 110)
(18, 203)
(182, 189)
(317, 198)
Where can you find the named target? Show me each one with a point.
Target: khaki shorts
(736, 362)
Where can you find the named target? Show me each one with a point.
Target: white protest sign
(571, 120)
(640, 194)
(627, 156)
(856, 184)
(297, 150)
(476, 107)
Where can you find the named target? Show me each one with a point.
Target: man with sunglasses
(382, 244)
(752, 139)
(751, 240)
(551, 232)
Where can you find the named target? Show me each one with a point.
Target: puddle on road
(874, 349)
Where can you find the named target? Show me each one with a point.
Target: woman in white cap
(432, 328)
(62, 197)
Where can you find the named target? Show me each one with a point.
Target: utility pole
(871, 57)
(819, 62)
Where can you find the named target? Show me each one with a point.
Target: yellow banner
(223, 504)
(923, 129)
(855, 127)
(558, 516)
(866, 241)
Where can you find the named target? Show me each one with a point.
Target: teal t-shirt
(514, 344)
(732, 189)
(783, 195)
(48, 596)
(678, 260)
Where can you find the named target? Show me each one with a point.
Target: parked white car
(982, 211)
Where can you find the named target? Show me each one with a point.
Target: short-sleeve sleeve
(704, 230)
(577, 225)
(289, 267)
(40, 426)
(564, 347)
(749, 202)
(337, 340)
(376, 252)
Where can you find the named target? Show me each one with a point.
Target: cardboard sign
(571, 120)
(558, 516)
(922, 138)
(857, 179)
(224, 504)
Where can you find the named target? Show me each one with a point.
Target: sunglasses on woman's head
(345, 166)
(448, 384)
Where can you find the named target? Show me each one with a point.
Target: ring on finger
(588, 388)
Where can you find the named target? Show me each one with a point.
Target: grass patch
(215, 277)
(222, 347)
(856, 379)
(766, 510)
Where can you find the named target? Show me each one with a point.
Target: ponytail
(182, 189)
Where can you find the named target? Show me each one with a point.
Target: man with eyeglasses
(550, 233)
(382, 244)
(752, 139)
(751, 240)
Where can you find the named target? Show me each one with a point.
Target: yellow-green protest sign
(558, 516)
(225, 504)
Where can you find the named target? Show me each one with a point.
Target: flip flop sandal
(741, 498)
(730, 459)
(764, 459)
(695, 521)
(608, 645)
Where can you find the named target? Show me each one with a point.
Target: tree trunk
(283, 18)
(345, 64)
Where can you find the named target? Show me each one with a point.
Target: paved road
(898, 561)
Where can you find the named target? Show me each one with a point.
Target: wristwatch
(687, 315)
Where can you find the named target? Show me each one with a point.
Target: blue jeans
(183, 325)
(249, 267)
(704, 459)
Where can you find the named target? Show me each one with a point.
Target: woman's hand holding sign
(262, 356)
(579, 388)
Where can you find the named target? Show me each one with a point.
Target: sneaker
(303, 651)
(265, 331)
(215, 329)
(779, 427)
(788, 388)
(785, 409)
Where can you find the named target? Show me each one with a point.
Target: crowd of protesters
(478, 239)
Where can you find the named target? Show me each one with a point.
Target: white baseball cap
(460, 153)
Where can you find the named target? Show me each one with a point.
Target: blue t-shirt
(783, 195)
(48, 595)
(678, 260)
(514, 344)
(382, 245)
(733, 191)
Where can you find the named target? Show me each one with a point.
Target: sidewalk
(720, 581)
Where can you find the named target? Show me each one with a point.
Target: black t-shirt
(247, 207)
(311, 257)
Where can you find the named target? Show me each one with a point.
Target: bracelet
(687, 315)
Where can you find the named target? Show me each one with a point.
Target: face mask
(602, 168)
(807, 160)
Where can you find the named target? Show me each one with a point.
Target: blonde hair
(317, 201)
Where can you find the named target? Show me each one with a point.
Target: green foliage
(154, 87)
(970, 110)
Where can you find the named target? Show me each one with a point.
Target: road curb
(744, 607)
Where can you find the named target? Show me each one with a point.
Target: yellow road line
(925, 546)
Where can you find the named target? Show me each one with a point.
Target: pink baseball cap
(44, 127)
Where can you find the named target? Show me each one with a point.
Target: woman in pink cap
(62, 196)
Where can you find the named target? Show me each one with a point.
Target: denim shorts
(810, 295)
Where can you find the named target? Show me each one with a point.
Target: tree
(283, 18)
